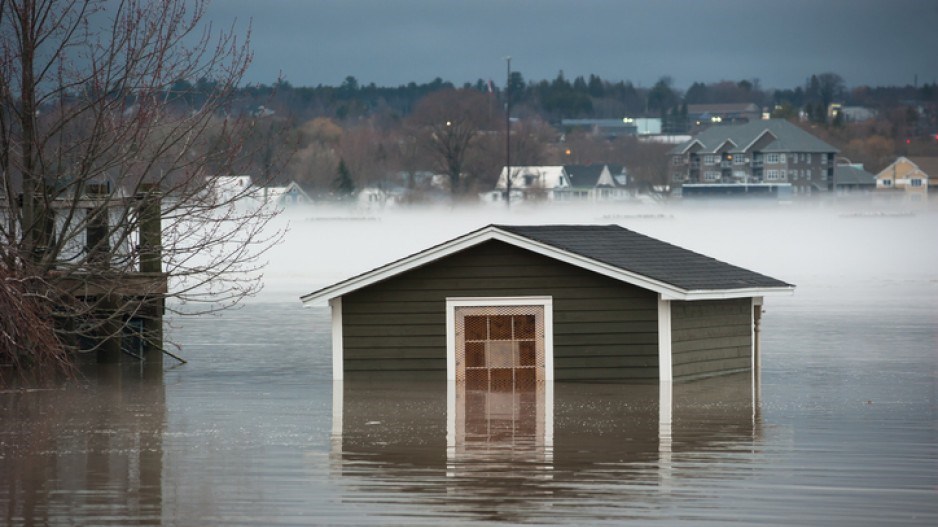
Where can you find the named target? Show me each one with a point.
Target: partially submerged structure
(511, 305)
(107, 274)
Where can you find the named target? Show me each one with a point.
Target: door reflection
(507, 423)
(501, 452)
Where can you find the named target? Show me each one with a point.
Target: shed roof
(610, 250)
(646, 256)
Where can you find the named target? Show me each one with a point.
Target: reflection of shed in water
(511, 305)
(507, 452)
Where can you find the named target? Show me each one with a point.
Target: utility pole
(508, 133)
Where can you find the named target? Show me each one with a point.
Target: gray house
(773, 151)
(511, 305)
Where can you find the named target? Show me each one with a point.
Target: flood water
(843, 428)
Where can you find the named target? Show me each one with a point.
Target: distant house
(376, 197)
(531, 183)
(772, 151)
(227, 188)
(627, 126)
(237, 188)
(914, 176)
(287, 196)
(851, 179)
(731, 113)
(849, 114)
(594, 183)
(506, 306)
(598, 182)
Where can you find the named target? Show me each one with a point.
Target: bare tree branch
(110, 205)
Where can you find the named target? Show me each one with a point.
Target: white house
(239, 188)
(562, 183)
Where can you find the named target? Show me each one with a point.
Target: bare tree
(448, 123)
(108, 204)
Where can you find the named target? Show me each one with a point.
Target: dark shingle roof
(853, 175)
(788, 138)
(587, 176)
(643, 255)
(607, 249)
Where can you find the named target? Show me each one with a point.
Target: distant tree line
(385, 135)
(552, 100)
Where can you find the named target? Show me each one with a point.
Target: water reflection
(508, 455)
(89, 449)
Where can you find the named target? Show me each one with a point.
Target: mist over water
(817, 244)
(253, 431)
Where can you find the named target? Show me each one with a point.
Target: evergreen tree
(343, 183)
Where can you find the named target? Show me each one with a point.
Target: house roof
(786, 137)
(610, 250)
(853, 175)
(588, 176)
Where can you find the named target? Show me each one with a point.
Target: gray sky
(782, 42)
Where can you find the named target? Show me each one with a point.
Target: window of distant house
(782, 175)
(677, 177)
(807, 173)
(711, 176)
(677, 160)
(529, 180)
(710, 159)
(887, 182)
(771, 158)
(739, 160)
(807, 157)
(916, 182)
(771, 175)
(781, 158)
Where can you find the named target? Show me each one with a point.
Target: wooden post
(109, 331)
(151, 249)
(151, 261)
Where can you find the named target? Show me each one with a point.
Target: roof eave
(666, 290)
(398, 266)
(726, 294)
(474, 238)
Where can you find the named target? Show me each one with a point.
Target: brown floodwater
(842, 430)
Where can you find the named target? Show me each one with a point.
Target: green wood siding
(711, 337)
(603, 328)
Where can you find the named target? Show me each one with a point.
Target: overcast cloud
(392, 42)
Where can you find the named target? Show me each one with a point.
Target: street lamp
(508, 132)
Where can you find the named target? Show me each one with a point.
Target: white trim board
(668, 291)
(665, 369)
(546, 302)
(338, 351)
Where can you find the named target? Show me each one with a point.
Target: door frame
(546, 302)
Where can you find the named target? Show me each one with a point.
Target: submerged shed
(518, 304)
